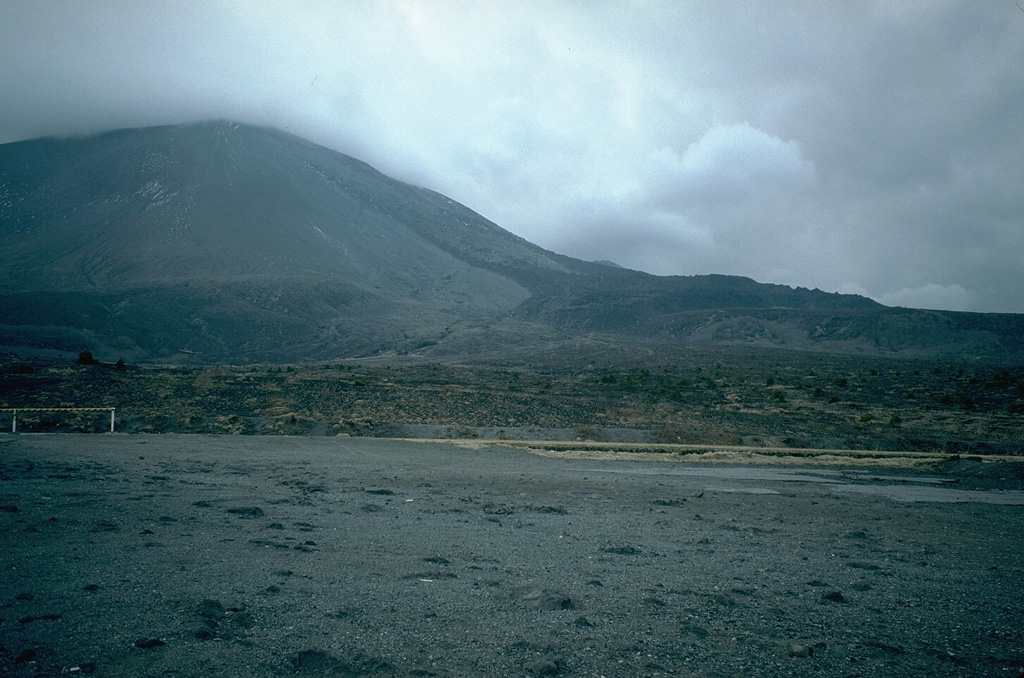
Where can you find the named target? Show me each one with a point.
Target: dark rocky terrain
(128, 556)
(219, 243)
(711, 396)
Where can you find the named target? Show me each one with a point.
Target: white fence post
(14, 413)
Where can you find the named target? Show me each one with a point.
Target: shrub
(86, 358)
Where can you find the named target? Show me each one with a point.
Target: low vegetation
(713, 396)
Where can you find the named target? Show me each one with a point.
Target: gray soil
(257, 556)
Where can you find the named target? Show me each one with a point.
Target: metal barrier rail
(14, 413)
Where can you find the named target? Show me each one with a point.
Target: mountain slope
(221, 242)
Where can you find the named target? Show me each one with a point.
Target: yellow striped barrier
(14, 413)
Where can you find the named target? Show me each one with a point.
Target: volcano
(218, 242)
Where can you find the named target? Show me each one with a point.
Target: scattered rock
(211, 609)
(557, 510)
(622, 550)
(885, 648)
(29, 618)
(497, 509)
(320, 662)
(316, 661)
(801, 651)
(544, 667)
(247, 511)
(834, 597)
(437, 560)
(149, 643)
(548, 600)
(693, 630)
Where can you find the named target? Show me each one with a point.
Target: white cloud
(731, 163)
(931, 296)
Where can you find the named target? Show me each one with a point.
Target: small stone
(548, 600)
(834, 597)
(25, 657)
(544, 667)
(247, 511)
(316, 661)
(800, 651)
(148, 643)
(211, 609)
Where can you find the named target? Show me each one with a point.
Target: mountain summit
(221, 242)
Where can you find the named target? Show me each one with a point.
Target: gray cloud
(875, 147)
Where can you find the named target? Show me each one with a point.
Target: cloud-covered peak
(876, 145)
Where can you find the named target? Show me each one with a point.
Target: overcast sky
(867, 147)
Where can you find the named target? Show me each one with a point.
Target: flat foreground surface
(260, 556)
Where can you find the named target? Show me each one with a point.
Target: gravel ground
(178, 555)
